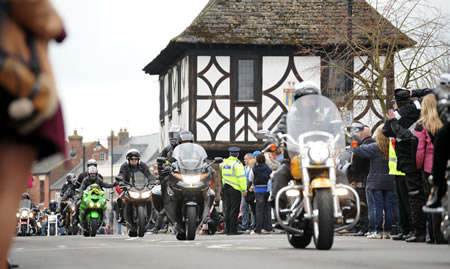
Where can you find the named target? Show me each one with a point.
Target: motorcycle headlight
(319, 153)
(73, 208)
(341, 191)
(145, 194)
(98, 204)
(30, 215)
(24, 214)
(134, 194)
(17, 214)
(292, 193)
(91, 204)
(191, 179)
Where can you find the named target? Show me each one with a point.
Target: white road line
(61, 246)
(132, 238)
(220, 246)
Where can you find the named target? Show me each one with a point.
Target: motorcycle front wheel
(52, 229)
(191, 222)
(141, 221)
(93, 227)
(23, 229)
(323, 225)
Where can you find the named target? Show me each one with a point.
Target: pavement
(221, 251)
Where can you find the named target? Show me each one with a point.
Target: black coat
(81, 177)
(89, 181)
(359, 169)
(126, 171)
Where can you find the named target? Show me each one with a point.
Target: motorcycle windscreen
(139, 180)
(25, 204)
(314, 113)
(190, 156)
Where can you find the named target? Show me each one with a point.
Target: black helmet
(92, 172)
(26, 195)
(444, 81)
(133, 153)
(92, 162)
(174, 134)
(53, 206)
(306, 88)
(186, 137)
(70, 177)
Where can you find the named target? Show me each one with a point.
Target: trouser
(263, 212)
(383, 203)
(416, 198)
(232, 201)
(363, 223)
(433, 220)
(245, 214)
(441, 156)
(281, 179)
(371, 210)
(403, 204)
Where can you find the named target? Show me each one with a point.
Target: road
(220, 251)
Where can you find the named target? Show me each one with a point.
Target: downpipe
(356, 219)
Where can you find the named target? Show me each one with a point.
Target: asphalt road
(220, 251)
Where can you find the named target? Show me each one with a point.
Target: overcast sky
(99, 66)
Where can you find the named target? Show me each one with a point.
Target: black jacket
(359, 169)
(127, 170)
(81, 177)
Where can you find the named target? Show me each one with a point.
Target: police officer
(234, 183)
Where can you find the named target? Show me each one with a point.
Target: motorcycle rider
(67, 192)
(174, 135)
(410, 187)
(282, 176)
(83, 175)
(357, 176)
(132, 165)
(93, 178)
(441, 144)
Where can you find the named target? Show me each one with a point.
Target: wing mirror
(218, 159)
(261, 134)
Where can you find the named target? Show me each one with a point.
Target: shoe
(246, 232)
(375, 236)
(416, 239)
(368, 233)
(264, 232)
(163, 230)
(154, 230)
(387, 235)
(252, 232)
(398, 237)
(360, 233)
(408, 236)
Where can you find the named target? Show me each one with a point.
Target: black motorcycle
(70, 221)
(185, 195)
(137, 203)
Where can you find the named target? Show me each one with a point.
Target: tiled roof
(46, 165)
(280, 22)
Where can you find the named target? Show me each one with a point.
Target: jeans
(383, 202)
(247, 215)
(371, 213)
(263, 212)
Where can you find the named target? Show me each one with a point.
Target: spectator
(427, 127)
(380, 182)
(259, 176)
(245, 225)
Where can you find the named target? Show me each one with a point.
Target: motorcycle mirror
(218, 159)
(160, 160)
(261, 134)
(119, 178)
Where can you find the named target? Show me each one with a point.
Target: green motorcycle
(92, 209)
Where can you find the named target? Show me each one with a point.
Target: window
(102, 156)
(169, 94)
(42, 191)
(161, 99)
(179, 87)
(246, 80)
(337, 84)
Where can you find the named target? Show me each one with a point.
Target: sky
(98, 68)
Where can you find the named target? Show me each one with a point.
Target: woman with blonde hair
(379, 182)
(427, 127)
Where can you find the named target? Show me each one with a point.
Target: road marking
(19, 248)
(220, 246)
(61, 246)
(130, 239)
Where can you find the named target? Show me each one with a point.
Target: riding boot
(434, 200)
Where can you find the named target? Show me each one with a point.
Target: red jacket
(425, 149)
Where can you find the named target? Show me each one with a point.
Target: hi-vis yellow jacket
(233, 174)
(393, 160)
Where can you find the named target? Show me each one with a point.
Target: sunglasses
(134, 159)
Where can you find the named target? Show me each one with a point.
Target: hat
(234, 149)
(401, 95)
(256, 153)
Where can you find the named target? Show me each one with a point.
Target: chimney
(123, 136)
(115, 139)
(76, 146)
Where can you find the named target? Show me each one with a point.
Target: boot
(121, 219)
(434, 200)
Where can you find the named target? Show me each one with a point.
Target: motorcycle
(92, 210)
(70, 223)
(309, 207)
(137, 203)
(25, 225)
(187, 197)
(52, 223)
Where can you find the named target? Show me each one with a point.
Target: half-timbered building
(233, 70)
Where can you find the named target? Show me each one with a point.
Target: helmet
(70, 177)
(92, 162)
(174, 134)
(25, 195)
(92, 172)
(306, 88)
(53, 206)
(133, 153)
(186, 137)
(444, 81)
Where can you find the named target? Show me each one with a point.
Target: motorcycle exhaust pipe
(356, 219)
